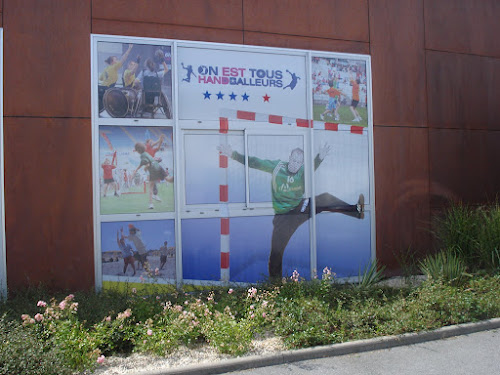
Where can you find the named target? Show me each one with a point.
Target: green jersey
(155, 170)
(287, 188)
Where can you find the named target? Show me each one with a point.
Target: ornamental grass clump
(444, 266)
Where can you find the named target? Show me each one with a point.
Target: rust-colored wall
(436, 79)
(47, 143)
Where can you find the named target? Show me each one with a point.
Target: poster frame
(181, 127)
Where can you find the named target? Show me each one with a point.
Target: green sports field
(345, 115)
(139, 203)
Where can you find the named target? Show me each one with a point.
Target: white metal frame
(181, 127)
(3, 252)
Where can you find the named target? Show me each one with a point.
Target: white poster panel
(211, 80)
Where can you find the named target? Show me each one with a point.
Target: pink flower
(264, 314)
(74, 306)
(295, 276)
(158, 298)
(252, 292)
(150, 332)
(157, 271)
(39, 317)
(25, 317)
(108, 319)
(70, 297)
(264, 304)
(41, 304)
(230, 291)
(62, 305)
(252, 316)
(101, 359)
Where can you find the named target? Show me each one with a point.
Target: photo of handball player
(138, 166)
(340, 91)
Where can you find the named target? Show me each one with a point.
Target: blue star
(232, 96)
(220, 95)
(207, 95)
(245, 97)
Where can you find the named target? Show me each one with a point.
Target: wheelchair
(122, 102)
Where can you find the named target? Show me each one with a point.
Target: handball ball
(159, 56)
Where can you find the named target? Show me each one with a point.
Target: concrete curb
(359, 346)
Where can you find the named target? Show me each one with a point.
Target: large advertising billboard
(262, 164)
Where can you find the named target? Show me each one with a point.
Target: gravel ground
(181, 357)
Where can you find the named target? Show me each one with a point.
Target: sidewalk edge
(350, 347)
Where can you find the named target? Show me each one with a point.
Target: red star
(266, 98)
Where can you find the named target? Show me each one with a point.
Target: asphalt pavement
(475, 353)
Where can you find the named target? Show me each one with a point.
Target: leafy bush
(22, 352)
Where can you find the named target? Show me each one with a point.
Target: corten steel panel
(155, 30)
(398, 63)
(401, 192)
(463, 26)
(463, 91)
(333, 19)
(221, 14)
(464, 165)
(48, 202)
(47, 54)
(289, 41)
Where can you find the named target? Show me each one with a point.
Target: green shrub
(305, 322)
(228, 335)
(21, 352)
(445, 266)
(489, 237)
(457, 230)
(372, 274)
(117, 335)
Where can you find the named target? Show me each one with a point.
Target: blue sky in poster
(250, 247)
(343, 243)
(154, 233)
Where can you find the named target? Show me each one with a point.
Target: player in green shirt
(290, 207)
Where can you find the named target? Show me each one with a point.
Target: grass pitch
(139, 203)
(345, 115)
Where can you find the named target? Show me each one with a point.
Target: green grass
(345, 115)
(139, 203)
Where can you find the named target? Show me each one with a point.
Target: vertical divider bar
(178, 161)
(224, 199)
(313, 258)
(95, 170)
